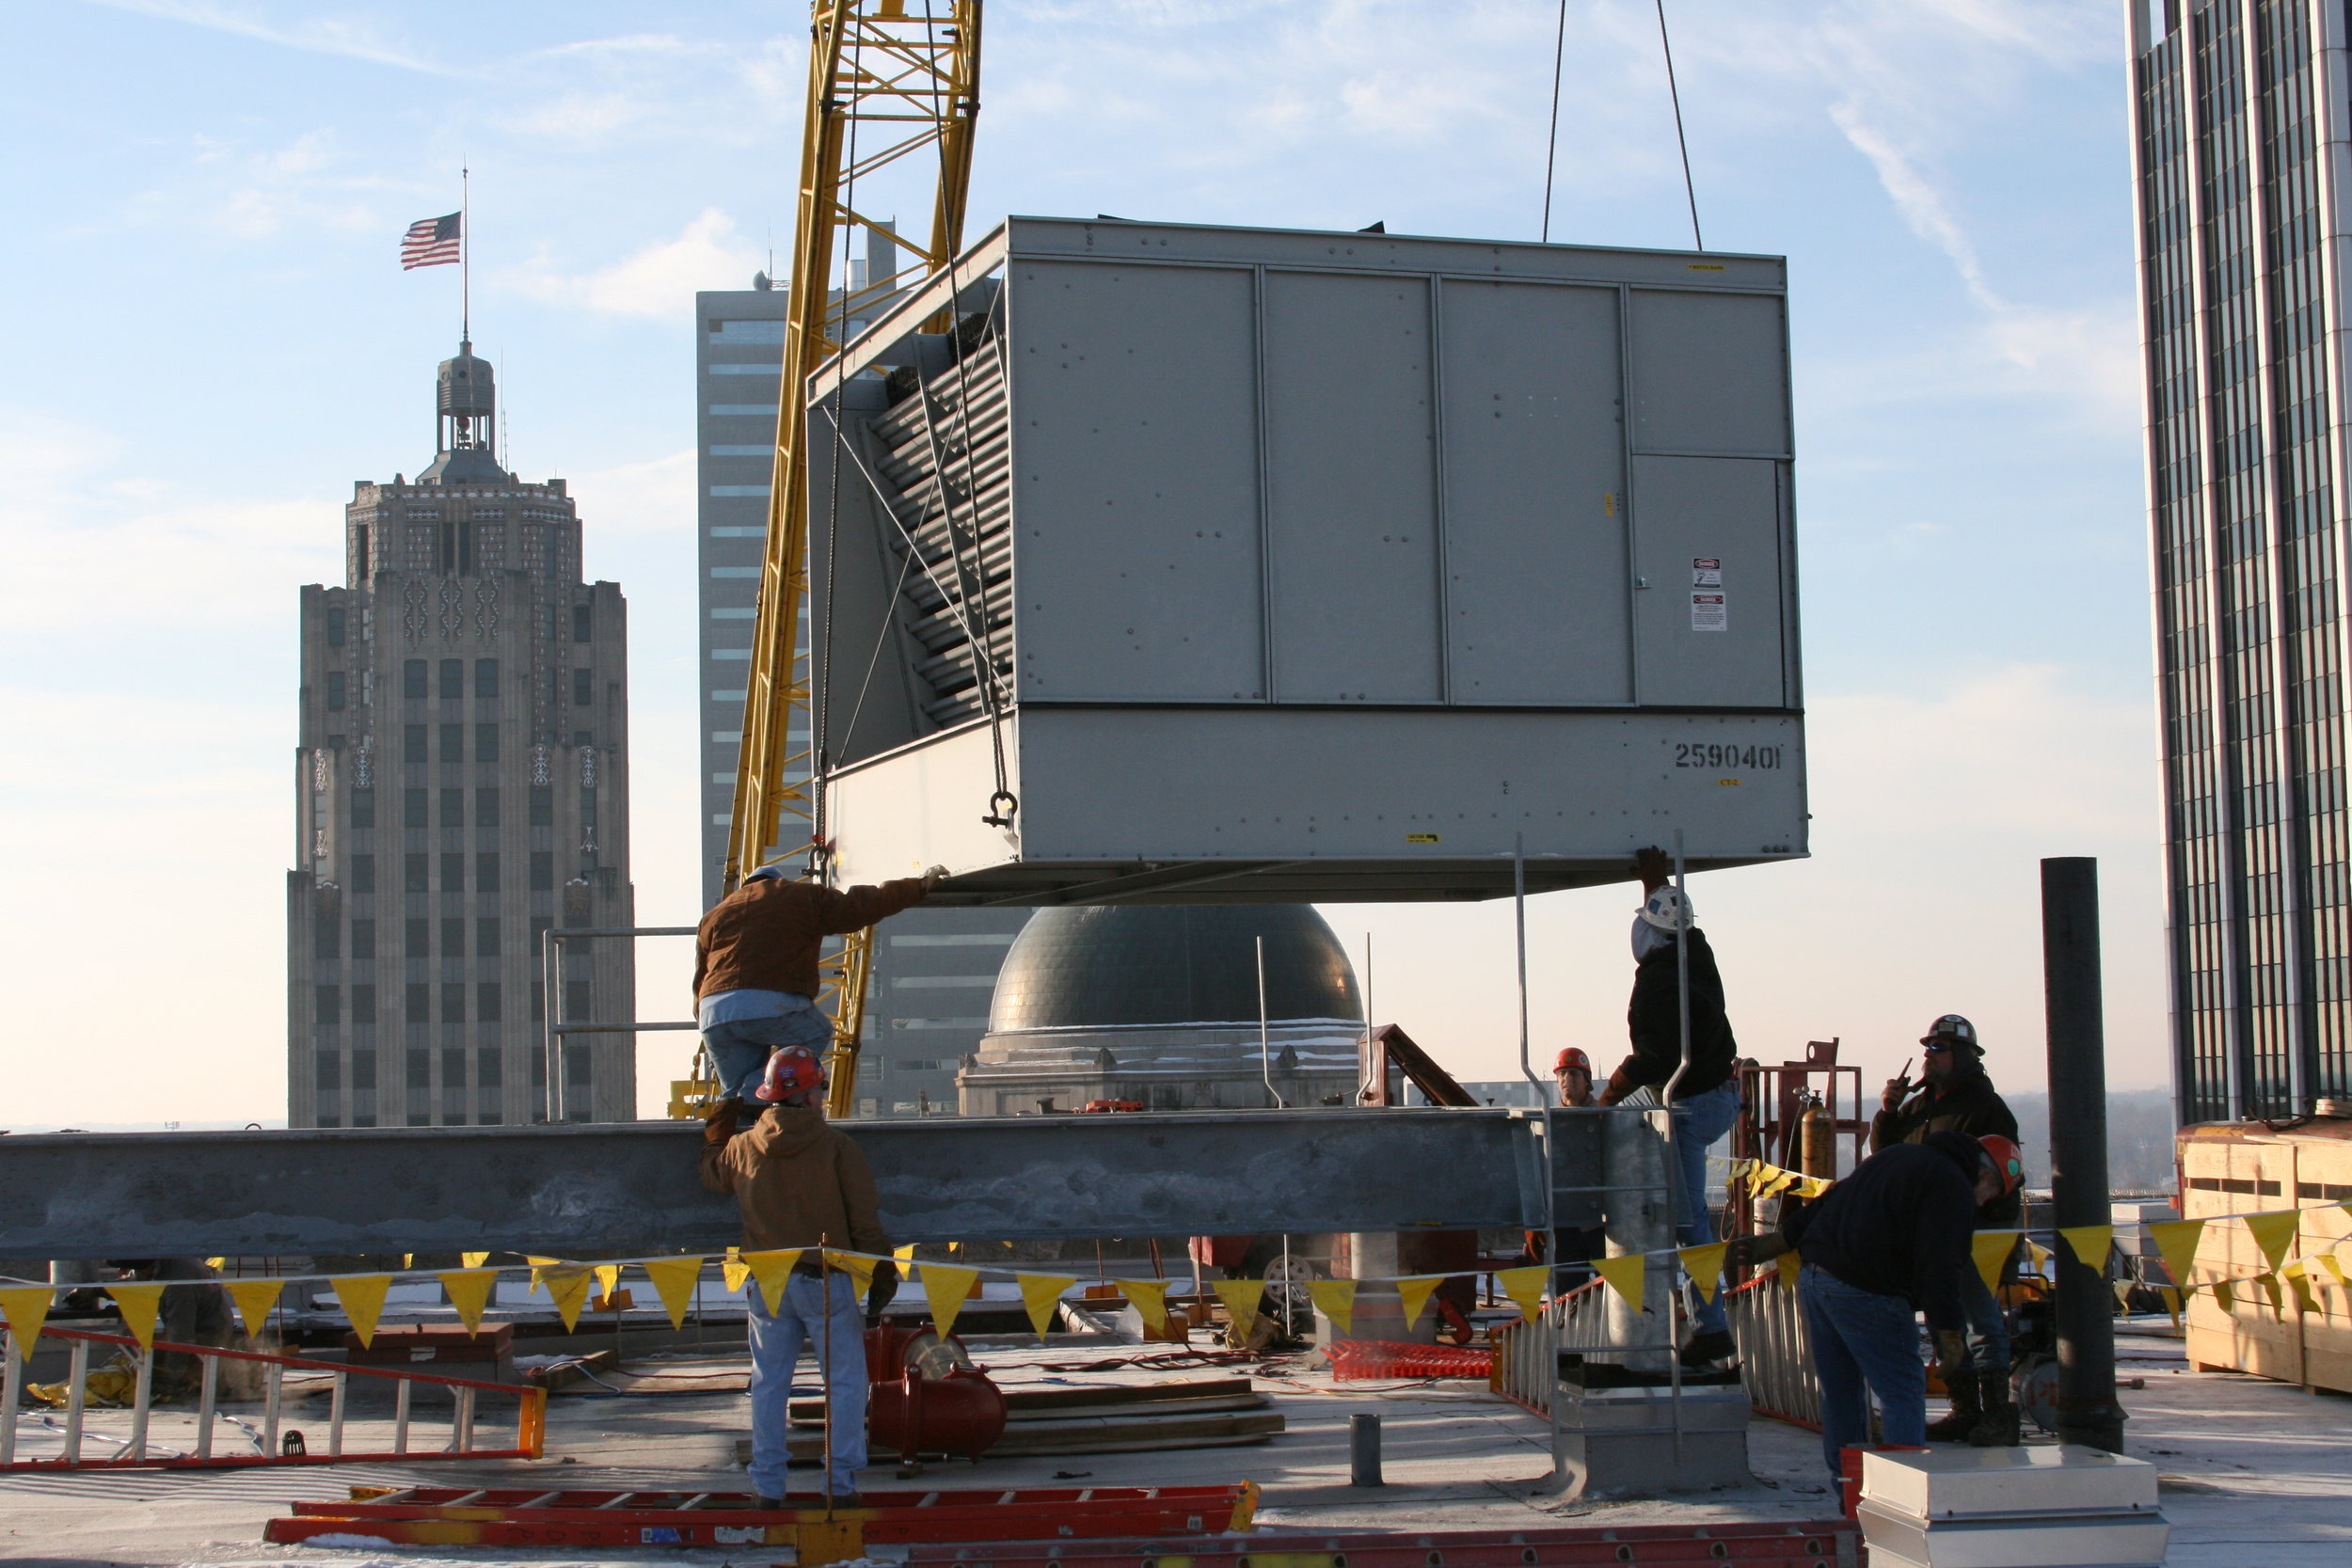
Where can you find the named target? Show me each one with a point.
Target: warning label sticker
(1709, 613)
(1706, 572)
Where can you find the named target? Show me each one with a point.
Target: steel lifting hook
(1003, 807)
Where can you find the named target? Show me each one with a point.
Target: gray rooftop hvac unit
(1308, 567)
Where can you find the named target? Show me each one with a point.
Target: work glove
(719, 1126)
(878, 1293)
(934, 876)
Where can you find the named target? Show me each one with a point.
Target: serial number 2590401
(1716, 758)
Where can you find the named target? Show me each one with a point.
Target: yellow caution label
(1706, 266)
(1421, 838)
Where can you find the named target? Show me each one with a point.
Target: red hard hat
(792, 1073)
(1572, 1058)
(2008, 1158)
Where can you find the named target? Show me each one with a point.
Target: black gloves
(878, 1293)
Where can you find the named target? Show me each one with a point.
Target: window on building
(452, 872)
(327, 1004)
(542, 871)
(363, 1003)
(412, 808)
(486, 871)
(363, 873)
(364, 808)
(583, 687)
(452, 742)
(575, 1071)
(453, 803)
(362, 1073)
(538, 1010)
(485, 937)
(745, 410)
(453, 1002)
(555, 687)
(486, 809)
(420, 939)
(412, 743)
(489, 1002)
(742, 449)
(453, 936)
(452, 680)
(486, 743)
(338, 692)
(577, 1002)
(740, 531)
(420, 1002)
(745, 370)
(486, 677)
(587, 808)
(725, 331)
(489, 1065)
(542, 805)
(412, 679)
(328, 1065)
(583, 738)
(452, 1066)
(725, 492)
(726, 572)
(415, 874)
(337, 627)
(583, 627)
(326, 937)
(740, 613)
(420, 1069)
(363, 940)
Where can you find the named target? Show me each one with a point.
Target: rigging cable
(1666, 46)
(1551, 142)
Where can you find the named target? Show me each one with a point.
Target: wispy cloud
(354, 40)
(659, 280)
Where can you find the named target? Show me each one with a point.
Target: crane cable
(1673, 93)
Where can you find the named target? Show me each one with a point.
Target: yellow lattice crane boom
(886, 81)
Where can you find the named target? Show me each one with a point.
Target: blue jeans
(1863, 1344)
(1698, 1122)
(776, 1340)
(741, 1049)
(1986, 1347)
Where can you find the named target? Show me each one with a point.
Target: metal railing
(1527, 1354)
(270, 1437)
(1775, 1361)
(550, 984)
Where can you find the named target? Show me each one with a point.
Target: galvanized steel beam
(576, 1190)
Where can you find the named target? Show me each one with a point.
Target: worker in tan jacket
(803, 1186)
(755, 957)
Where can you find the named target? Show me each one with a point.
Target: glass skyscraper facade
(2239, 125)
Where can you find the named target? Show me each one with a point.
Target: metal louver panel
(944, 452)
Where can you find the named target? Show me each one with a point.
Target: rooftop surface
(2247, 1465)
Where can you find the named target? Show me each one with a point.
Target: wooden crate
(2235, 1168)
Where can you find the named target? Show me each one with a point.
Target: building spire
(465, 427)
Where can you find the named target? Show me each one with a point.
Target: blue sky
(208, 339)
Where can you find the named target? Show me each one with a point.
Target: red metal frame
(1806, 1544)
(530, 1421)
(1771, 1109)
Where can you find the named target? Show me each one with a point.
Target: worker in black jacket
(1886, 1244)
(1703, 1097)
(1956, 1095)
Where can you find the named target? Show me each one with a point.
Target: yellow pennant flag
(2274, 1233)
(254, 1299)
(215, 1264)
(362, 1297)
(469, 1294)
(2176, 1242)
(2091, 1242)
(1525, 1286)
(2225, 1296)
(2124, 1296)
(773, 1270)
(473, 1260)
(1790, 1264)
(1041, 1293)
(1240, 1297)
(139, 1303)
(1704, 1265)
(905, 1254)
(27, 1309)
(2333, 1264)
(674, 1281)
(2269, 1282)
(539, 1267)
(947, 1288)
(608, 1278)
(1336, 1299)
(2297, 1275)
(1782, 1180)
(1990, 1250)
(1149, 1297)
(1413, 1293)
(860, 1270)
(568, 1290)
(2037, 1253)
(733, 1271)
(1624, 1276)
(2172, 1295)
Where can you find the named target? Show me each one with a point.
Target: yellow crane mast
(885, 83)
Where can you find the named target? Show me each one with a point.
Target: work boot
(1999, 1427)
(846, 1499)
(767, 1504)
(1709, 1349)
(1967, 1410)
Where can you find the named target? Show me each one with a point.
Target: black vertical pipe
(2086, 1409)
(1363, 1450)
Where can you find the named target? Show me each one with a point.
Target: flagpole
(465, 254)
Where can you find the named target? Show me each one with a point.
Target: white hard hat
(773, 871)
(1668, 909)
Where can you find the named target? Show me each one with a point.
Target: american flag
(430, 242)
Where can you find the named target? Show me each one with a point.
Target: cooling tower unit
(1167, 563)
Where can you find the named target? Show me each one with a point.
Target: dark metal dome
(1146, 965)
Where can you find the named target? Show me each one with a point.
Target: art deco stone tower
(462, 785)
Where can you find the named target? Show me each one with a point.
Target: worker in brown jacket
(756, 958)
(803, 1186)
